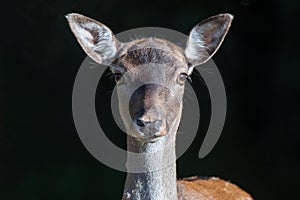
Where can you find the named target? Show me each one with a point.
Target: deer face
(150, 84)
(150, 73)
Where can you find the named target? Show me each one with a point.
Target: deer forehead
(153, 51)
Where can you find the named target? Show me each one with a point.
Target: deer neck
(158, 179)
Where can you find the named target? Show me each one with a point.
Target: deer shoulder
(209, 189)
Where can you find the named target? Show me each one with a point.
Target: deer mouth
(158, 135)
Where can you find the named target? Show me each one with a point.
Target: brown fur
(153, 102)
(151, 50)
(209, 189)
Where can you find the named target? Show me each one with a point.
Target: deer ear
(205, 39)
(96, 39)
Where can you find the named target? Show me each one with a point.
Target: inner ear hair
(95, 38)
(206, 38)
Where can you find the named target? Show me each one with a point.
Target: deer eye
(118, 78)
(182, 78)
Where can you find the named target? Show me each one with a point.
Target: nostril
(153, 124)
(149, 128)
(140, 122)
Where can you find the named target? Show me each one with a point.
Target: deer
(153, 111)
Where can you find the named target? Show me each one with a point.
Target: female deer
(155, 107)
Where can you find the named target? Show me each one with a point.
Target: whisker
(109, 74)
(94, 65)
(207, 70)
(188, 95)
(184, 100)
(198, 75)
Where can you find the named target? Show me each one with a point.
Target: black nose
(150, 127)
(141, 123)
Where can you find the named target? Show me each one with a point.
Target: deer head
(150, 73)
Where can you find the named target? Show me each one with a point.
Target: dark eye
(182, 78)
(118, 78)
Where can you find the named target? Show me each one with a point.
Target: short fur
(155, 109)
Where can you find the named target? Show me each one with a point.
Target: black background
(41, 155)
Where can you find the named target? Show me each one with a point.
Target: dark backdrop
(41, 155)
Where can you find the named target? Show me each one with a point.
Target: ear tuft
(96, 39)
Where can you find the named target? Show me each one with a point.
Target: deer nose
(142, 123)
(149, 127)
